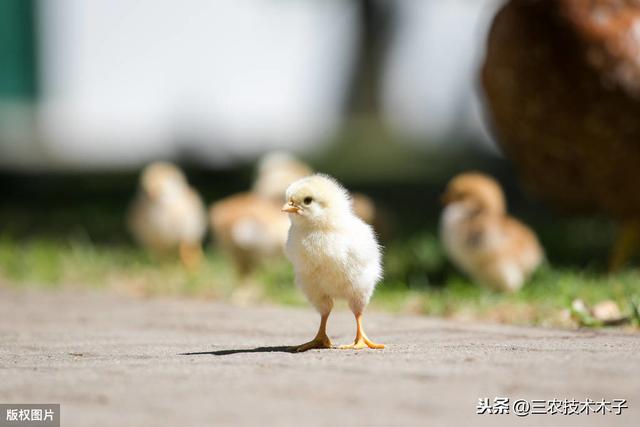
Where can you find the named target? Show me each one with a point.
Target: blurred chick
(364, 208)
(276, 171)
(482, 239)
(249, 226)
(333, 252)
(167, 214)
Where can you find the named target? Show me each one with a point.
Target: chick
(167, 214)
(333, 252)
(482, 239)
(364, 208)
(275, 172)
(249, 226)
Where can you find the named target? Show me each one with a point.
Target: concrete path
(115, 361)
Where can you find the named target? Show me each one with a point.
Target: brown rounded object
(562, 83)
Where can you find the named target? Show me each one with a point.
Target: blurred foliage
(417, 262)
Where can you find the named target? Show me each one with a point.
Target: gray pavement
(116, 361)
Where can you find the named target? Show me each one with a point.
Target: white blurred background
(119, 83)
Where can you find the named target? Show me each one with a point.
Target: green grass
(52, 264)
(418, 280)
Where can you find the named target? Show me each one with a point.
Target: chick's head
(475, 192)
(317, 201)
(276, 171)
(162, 180)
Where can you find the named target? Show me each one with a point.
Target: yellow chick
(167, 214)
(249, 226)
(334, 253)
(481, 239)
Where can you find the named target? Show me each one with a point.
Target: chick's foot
(191, 255)
(626, 245)
(361, 340)
(360, 343)
(317, 342)
(320, 341)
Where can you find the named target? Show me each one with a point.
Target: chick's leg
(361, 341)
(190, 255)
(625, 245)
(321, 339)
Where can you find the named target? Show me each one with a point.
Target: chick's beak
(290, 208)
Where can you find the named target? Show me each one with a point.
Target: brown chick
(481, 239)
(250, 226)
(167, 214)
(562, 83)
(364, 207)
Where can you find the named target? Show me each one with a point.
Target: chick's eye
(307, 200)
